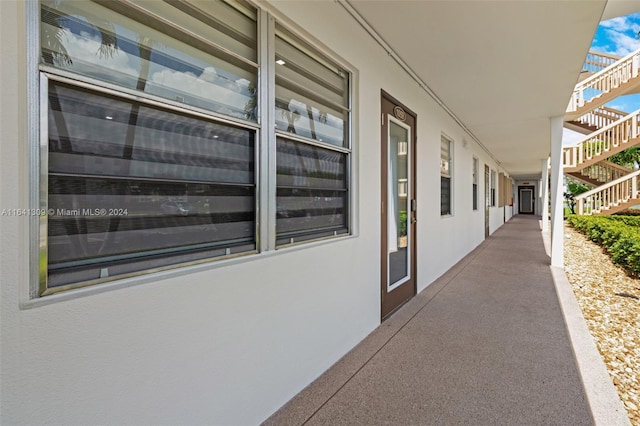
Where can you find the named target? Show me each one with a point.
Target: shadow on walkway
(485, 344)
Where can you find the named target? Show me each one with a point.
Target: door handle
(414, 207)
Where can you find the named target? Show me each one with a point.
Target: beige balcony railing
(606, 197)
(605, 171)
(601, 117)
(597, 61)
(605, 80)
(606, 141)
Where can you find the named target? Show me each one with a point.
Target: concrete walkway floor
(485, 344)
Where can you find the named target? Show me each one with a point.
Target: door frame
(533, 199)
(391, 300)
(487, 199)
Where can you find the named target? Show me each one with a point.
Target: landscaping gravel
(610, 303)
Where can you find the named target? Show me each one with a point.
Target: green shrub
(629, 220)
(628, 212)
(619, 235)
(402, 231)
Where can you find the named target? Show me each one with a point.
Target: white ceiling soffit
(502, 67)
(617, 8)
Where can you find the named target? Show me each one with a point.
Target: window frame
(492, 187)
(475, 179)
(264, 153)
(87, 83)
(326, 58)
(506, 190)
(450, 142)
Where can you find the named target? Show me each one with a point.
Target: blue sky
(619, 36)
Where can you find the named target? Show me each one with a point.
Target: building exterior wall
(231, 341)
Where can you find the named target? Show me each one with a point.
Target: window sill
(82, 292)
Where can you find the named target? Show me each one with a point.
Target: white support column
(544, 194)
(557, 198)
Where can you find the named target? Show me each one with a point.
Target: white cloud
(243, 82)
(83, 50)
(623, 43)
(617, 24)
(205, 87)
(619, 35)
(122, 68)
(622, 24)
(570, 137)
(209, 74)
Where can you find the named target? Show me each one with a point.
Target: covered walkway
(484, 344)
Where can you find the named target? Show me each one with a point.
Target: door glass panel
(399, 188)
(526, 201)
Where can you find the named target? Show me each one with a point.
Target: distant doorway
(526, 203)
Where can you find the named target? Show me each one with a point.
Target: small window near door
(501, 192)
(475, 183)
(446, 187)
(493, 188)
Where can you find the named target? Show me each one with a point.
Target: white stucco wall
(221, 344)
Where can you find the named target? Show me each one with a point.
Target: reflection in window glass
(312, 101)
(129, 44)
(493, 188)
(311, 92)
(311, 192)
(133, 187)
(397, 204)
(475, 183)
(445, 176)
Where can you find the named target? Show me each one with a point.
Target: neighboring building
(233, 195)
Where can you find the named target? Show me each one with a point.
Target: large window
(446, 167)
(312, 113)
(151, 131)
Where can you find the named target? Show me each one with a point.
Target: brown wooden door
(398, 189)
